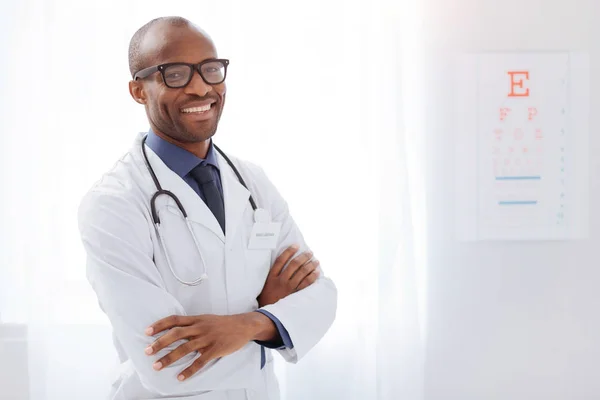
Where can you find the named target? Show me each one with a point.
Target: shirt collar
(177, 159)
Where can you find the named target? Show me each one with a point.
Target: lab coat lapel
(235, 195)
(196, 209)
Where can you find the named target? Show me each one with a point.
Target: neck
(199, 149)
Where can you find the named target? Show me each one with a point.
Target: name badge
(265, 234)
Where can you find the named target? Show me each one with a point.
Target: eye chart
(521, 149)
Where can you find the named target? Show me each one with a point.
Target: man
(194, 258)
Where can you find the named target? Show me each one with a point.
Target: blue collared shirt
(182, 162)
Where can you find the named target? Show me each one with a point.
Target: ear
(137, 92)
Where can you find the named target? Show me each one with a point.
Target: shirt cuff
(283, 341)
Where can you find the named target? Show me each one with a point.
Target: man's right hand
(300, 273)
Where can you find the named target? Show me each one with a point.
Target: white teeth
(197, 109)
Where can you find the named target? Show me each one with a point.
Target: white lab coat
(127, 269)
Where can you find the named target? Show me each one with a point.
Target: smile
(200, 109)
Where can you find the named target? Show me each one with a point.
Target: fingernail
(181, 377)
(149, 331)
(148, 350)
(295, 247)
(157, 365)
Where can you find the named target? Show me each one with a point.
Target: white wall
(516, 321)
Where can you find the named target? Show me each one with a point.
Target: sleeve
(308, 314)
(130, 290)
(283, 339)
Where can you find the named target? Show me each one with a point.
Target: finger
(295, 264)
(178, 353)
(309, 280)
(168, 323)
(303, 272)
(196, 365)
(283, 259)
(175, 334)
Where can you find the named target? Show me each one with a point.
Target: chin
(197, 135)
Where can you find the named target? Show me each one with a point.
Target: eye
(174, 75)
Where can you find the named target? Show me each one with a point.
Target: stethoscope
(160, 191)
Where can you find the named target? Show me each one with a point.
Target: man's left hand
(213, 336)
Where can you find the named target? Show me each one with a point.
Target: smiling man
(193, 255)
(185, 116)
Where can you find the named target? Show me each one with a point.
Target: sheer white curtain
(323, 95)
(402, 234)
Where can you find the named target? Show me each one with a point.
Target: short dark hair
(137, 60)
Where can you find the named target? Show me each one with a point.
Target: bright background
(347, 106)
(317, 95)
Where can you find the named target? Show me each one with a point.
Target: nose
(197, 85)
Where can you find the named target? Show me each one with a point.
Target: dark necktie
(205, 178)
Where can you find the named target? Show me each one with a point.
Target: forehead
(167, 43)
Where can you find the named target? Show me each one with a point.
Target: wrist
(259, 327)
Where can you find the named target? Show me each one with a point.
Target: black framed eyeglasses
(177, 75)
